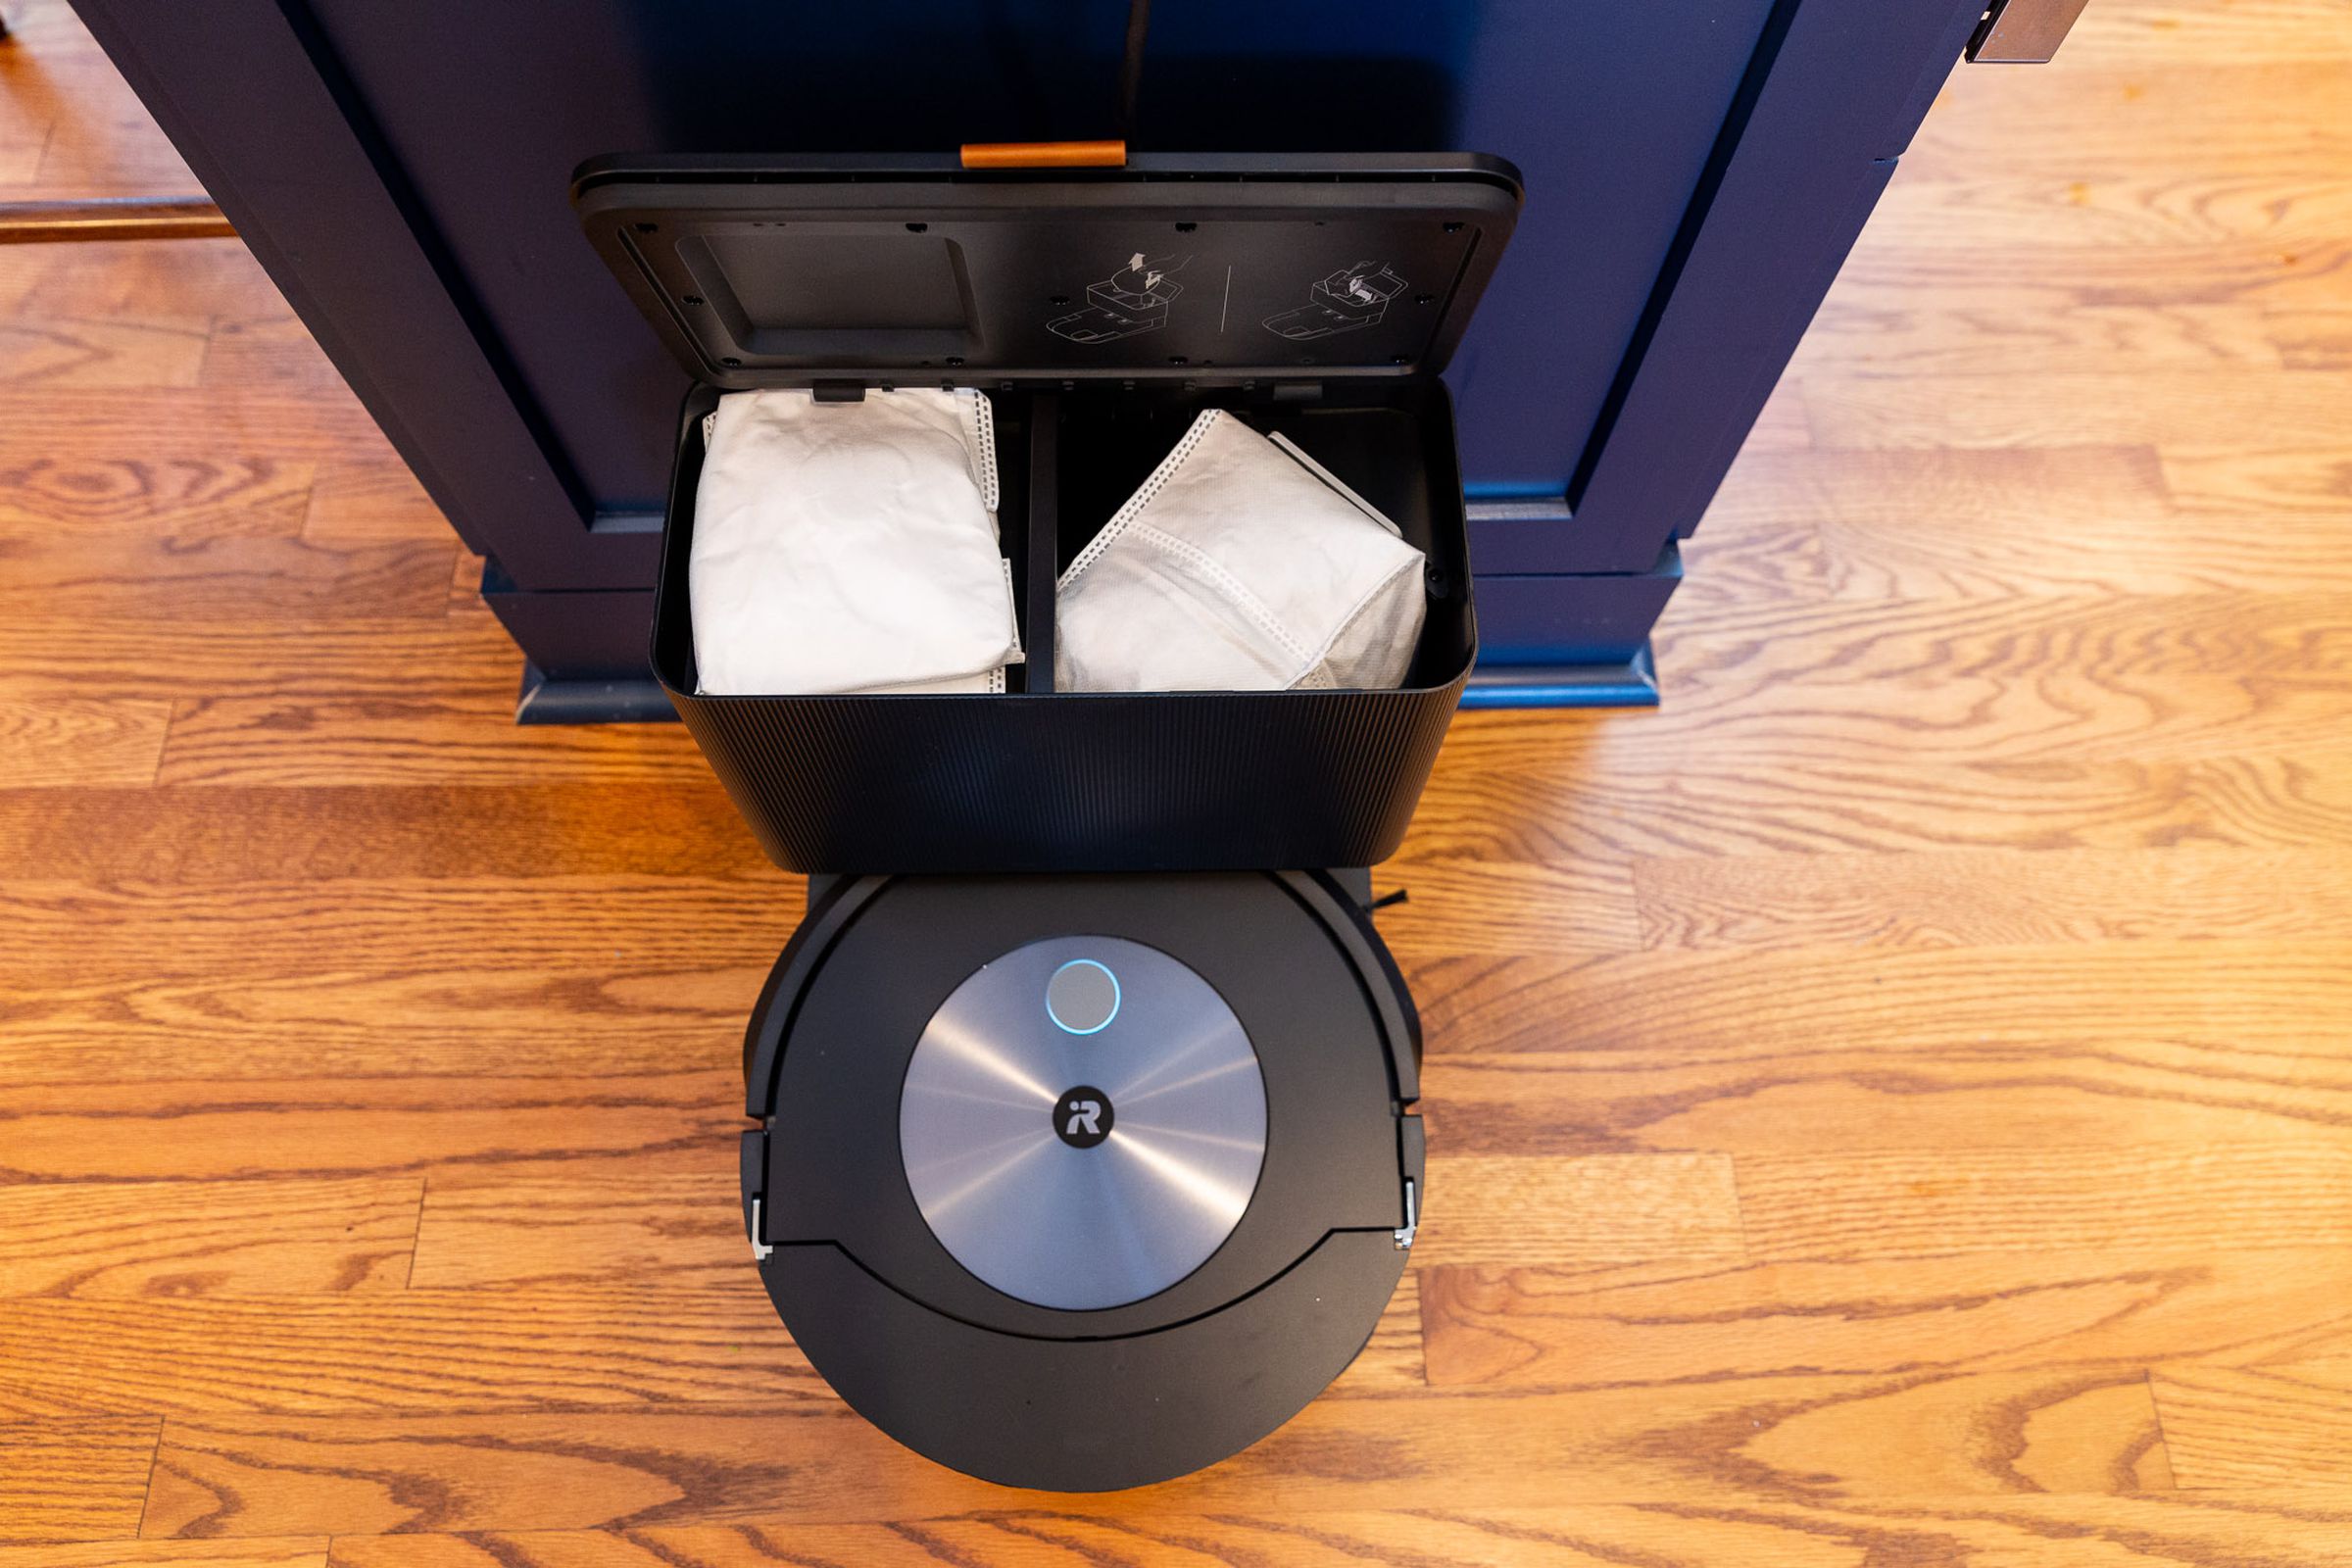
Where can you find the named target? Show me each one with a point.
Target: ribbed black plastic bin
(848, 275)
(1036, 779)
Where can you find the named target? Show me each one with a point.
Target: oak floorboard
(429, 1350)
(2087, 407)
(1994, 899)
(630, 828)
(2270, 1527)
(1845, 526)
(681, 1119)
(2285, 487)
(144, 1241)
(84, 499)
(73, 1480)
(298, 1551)
(172, 579)
(1868, 1091)
(258, 929)
(50, 741)
(1896, 1205)
(408, 737)
(1676, 1322)
(103, 353)
(2085, 118)
(1507, 790)
(2289, 1000)
(2252, 1426)
(1825, 1438)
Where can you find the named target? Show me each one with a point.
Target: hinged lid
(763, 271)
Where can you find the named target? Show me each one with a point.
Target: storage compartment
(1037, 779)
(1335, 354)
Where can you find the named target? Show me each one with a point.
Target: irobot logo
(1082, 1117)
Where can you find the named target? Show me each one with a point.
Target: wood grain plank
(496, 928)
(2161, 1198)
(2282, 487)
(1608, 1208)
(2290, 1001)
(1510, 789)
(2240, 1427)
(551, 1227)
(2243, 1529)
(299, 1551)
(73, 1480)
(110, 351)
(682, 1120)
(102, 280)
(1792, 1438)
(49, 742)
(1867, 333)
(2087, 119)
(1481, 906)
(1874, 1090)
(1556, 1328)
(241, 579)
(196, 423)
(2147, 207)
(403, 1350)
(485, 1351)
(272, 349)
(425, 736)
(2091, 408)
(607, 1015)
(371, 495)
(619, 827)
(2084, 521)
(47, 497)
(334, 659)
(1994, 898)
(2161, 32)
(2026, 679)
(180, 1239)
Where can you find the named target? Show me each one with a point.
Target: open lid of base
(778, 272)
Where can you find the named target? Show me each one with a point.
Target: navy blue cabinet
(1695, 169)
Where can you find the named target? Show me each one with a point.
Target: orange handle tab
(1044, 154)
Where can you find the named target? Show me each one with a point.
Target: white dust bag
(843, 547)
(1240, 565)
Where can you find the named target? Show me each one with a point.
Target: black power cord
(1131, 65)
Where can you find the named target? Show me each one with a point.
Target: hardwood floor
(1891, 1106)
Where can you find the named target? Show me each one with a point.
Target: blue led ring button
(1082, 997)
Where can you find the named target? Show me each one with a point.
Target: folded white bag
(844, 547)
(1240, 565)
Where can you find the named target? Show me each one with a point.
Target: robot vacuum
(1083, 1181)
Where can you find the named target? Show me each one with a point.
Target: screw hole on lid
(647, 228)
(690, 299)
(916, 228)
(1186, 229)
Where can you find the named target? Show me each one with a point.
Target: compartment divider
(1045, 474)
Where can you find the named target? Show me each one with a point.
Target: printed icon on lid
(1347, 301)
(1133, 298)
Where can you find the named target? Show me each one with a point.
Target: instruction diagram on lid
(1347, 301)
(1135, 299)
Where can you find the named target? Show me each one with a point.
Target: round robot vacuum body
(1082, 1182)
